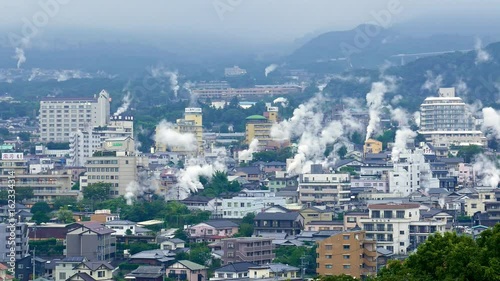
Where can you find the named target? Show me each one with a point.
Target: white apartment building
(60, 117)
(83, 143)
(332, 190)
(21, 240)
(121, 226)
(115, 163)
(397, 227)
(249, 201)
(446, 119)
(410, 173)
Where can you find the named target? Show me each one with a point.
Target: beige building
(259, 127)
(60, 117)
(47, 185)
(192, 123)
(475, 202)
(372, 146)
(332, 190)
(115, 163)
(350, 253)
(311, 214)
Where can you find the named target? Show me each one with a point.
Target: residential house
(351, 253)
(372, 146)
(172, 244)
(100, 271)
(249, 201)
(104, 216)
(287, 222)
(187, 270)
(65, 268)
(198, 202)
(146, 273)
(316, 214)
(51, 230)
(258, 250)
(24, 268)
(281, 180)
(237, 270)
(4, 276)
(212, 230)
(153, 257)
(91, 240)
(475, 202)
(251, 173)
(122, 227)
(275, 271)
(324, 225)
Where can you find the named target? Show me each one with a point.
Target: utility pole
(303, 264)
(33, 261)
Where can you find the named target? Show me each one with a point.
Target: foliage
(357, 138)
(40, 207)
(342, 277)
(128, 266)
(65, 201)
(246, 226)
(76, 186)
(24, 193)
(219, 184)
(386, 137)
(48, 247)
(469, 152)
(181, 234)
(349, 170)
(200, 253)
(24, 136)
(65, 216)
(291, 255)
(273, 155)
(97, 191)
(342, 152)
(141, 246)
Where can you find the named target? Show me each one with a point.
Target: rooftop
(394, 206)
(256, 117)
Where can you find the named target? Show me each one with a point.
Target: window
(346, 257)
(328, 256)
(400, 214)
(328, 266)
(351, 219)
(62, 275)
(328, 247)
(388, 214)
(20, 266)
(402, 232)
(487, 197)
(347, 266)
(347, 247)
(473, 206)
(401, 243)
(101, 273)
(376, 214)
(346, 237)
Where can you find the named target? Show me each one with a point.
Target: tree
(357, 138)
(469, 152)
(342, 152)
(342, 277)
(97, 191)
(24, 136)
(65, 216)
(24, 193)
(40, 207)
(40, 217)
(219, 184)
(65, 201)
(244, 230)
(200, 254)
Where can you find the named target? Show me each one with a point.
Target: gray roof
(96, 227)
(278, 267)
(196, 198)
(159, 255)
(384, 252)
(221, 223)
(147, 271)
(83, 276)
(251, 170)
(277, 216)
(96, 264)
(73, 259)
(120, 222)
(191, 265)
(235, 267)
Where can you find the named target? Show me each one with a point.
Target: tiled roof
(393, 206)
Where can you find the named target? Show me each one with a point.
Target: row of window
(107, 177)
(103, 170)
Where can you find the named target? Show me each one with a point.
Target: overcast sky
(248, 19)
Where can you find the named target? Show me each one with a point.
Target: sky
(260, 20)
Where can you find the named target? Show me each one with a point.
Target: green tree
(24, 136)
(245, 228)
(219, 184)
(40, 217)
(357, 138)
(65, 201)
(342, 277)
(24, 193)
(97, 191)
(40, 207)
(64, 215)
(469, 152)
(342, 152)
(200, 254)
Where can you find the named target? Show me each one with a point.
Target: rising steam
(167, 135)
(173, 76)
(270, 69)
(374, 100)
(246, 155)
(487, 170)
(491, 122)
(282, 100)
(125, 104)
(481, 54)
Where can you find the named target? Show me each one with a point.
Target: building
(274, 271)
(311, 214)
(212, 230)
(19, 242)
(89, 271)
(193, 124)
(259, 127)
(280, 180)
(232, 271)
(172, 244)
(324, 189)
(283, 221)
(146, 273)
(121, 227)
(116, 163)
(249, 201)
(104, 216)
(84, 142)
(91, 240)
(258, 91)
(187, 270)
(46, 186)
(4, 276)
(257, 250)
(153, 257)
(60, 117)
(372, 146)
(65, 268)
(398, 227)
(234, 71)
(352, 219)
(351, 253)
(446, 119)
(475, 202)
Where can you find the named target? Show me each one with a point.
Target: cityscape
(352, 143)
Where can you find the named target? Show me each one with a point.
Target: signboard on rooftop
(193, 110)
(12, 156)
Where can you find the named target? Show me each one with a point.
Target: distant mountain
(370, 46)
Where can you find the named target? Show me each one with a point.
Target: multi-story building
(19, 242)
(352, 253)
(257, 250)
(249, 201)
(193, 124)
(46, 185)
(116, 163)
(60, 117)
(84, 142)
(324, 189)
(390, 224)
(475, 202)
(212, 230)
(446, 119)
(280, 180)
(91, 240)
(259, 127)
(278, 220)
(372, 146)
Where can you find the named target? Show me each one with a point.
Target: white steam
(270, 68)
(481, 54)
(125, 104)
(416, 118)
(167, 135)
(21, 58)
(246, 155)
(491, 122)
(432, 83)
(374, 100)
(282, 100)
(487, 170)
(173, 76)
(403, 135)
(146, 183)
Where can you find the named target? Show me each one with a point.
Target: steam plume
(160, 72)
(400, 142)
(375, 99)
(282, 100)
(125, 104)
(491, 122)
(481, 54)
(167, 135)
(432, 83)
(488, 170)
(21, 58)
(246, 155)
(270, 69)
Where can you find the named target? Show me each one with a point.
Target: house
(100, 270)
(316, 214)
(146, 273)
(51, 230)
(324, 225)
(249, 201)
(24, 268)
(104, 216)
(153, 257)
(235, 270)
(187, 270)
(372, 146)
(91, 240)
(258, 250)
(290, 223)
(251, 173)
(65, 268)
(275, 271)
(4, 276)
(172, 244)
(212, 230)
(351, 219)
(122, 227)
(198, 202)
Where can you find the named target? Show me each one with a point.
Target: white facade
(121, 226)
(325, 189)
(59, 118)
(410, 173)
(249, 201)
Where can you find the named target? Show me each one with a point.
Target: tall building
(60, 117)
(445, 119)
(259, 127)
(20, 241)
(83, 143)
(115, 163)
(257, 250)
(192, 123)
(47, 185)
(91, 240)
(351, 253)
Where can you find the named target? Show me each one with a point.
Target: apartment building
(446, 119)
(257, 250)
(398, 227)
(324, 189)
(352, 253)
(116, 163)
(91, 240)
(278, 220)
(259, 127)
(47, 185)
(20, 241)
(84, 142)
(475, 202)
(249, 201)
(60, 117)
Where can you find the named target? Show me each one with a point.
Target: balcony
(369, 253)
(371, 262)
